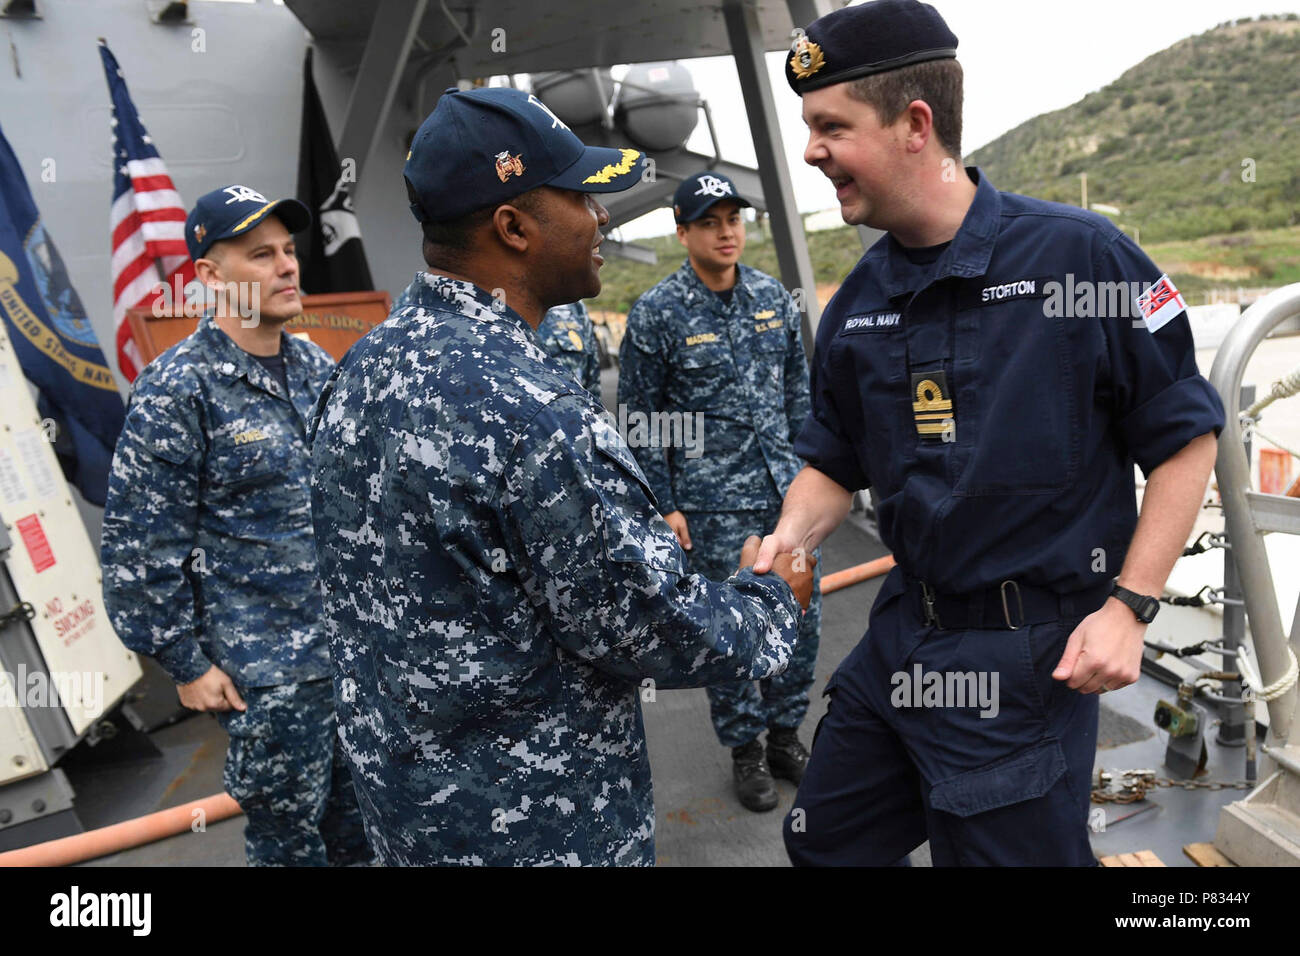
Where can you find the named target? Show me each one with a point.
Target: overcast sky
(1020, 57)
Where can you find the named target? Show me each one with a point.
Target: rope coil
(1274, 690)
(1283, 388)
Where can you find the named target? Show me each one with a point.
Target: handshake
(789, 560)
(794, 567)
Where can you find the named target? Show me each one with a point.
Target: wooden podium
(333, 321)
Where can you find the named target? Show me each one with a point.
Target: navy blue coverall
(996, 399)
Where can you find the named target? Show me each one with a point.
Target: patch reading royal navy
(872, 322)
(936, 418)
(983, 292)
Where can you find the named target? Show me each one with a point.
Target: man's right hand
(795, 569)
(677, 521)
(780, 541)
(213, 691)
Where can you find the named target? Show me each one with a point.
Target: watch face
(1147, 611)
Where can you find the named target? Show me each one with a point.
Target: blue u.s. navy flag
(53, 339)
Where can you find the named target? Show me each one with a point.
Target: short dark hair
(937, 82)
(448, 244)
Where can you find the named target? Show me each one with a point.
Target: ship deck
(698, 821)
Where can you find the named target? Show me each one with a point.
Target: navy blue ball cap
(485, 146)
(871, 38)
(234, 210)
(697, 194)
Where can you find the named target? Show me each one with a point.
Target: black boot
(785, 755)
(754, 784)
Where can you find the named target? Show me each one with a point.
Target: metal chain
(1134, 784)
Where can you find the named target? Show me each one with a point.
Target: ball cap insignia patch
(508, 165)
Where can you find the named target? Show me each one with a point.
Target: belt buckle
(927, 605)
(1006, 609)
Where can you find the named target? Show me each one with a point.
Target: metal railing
(1248, 514)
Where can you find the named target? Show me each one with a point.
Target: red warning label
(38, 546)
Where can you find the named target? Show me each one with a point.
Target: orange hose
(853, 575)
(122, 836)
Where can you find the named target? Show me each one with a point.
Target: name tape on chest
(872, 322)
(768, 326)
(933, 410)
(993, 293)
(703, 338)
(249, 436)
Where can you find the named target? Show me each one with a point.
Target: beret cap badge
(806, 56)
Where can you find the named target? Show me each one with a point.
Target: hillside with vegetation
(1198, 139)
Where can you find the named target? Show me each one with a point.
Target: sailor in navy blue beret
(993, 369)
(871, 38)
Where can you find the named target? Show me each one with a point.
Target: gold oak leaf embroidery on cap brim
(620, 168)
(253, 218)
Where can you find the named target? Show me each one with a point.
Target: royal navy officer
(998, 425)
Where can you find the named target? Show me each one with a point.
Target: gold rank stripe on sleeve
(933, 409)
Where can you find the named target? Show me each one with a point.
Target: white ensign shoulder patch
(1160, 303)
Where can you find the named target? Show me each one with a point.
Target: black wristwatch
(1144, 606)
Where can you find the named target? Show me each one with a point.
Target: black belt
(1008, 606)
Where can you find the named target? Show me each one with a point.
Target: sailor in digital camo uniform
(498, 582)
(718, 343)
(209, 564)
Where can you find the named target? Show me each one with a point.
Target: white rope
(1274, 690)
(1283, 388)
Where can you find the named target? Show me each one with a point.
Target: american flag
(147, 218)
